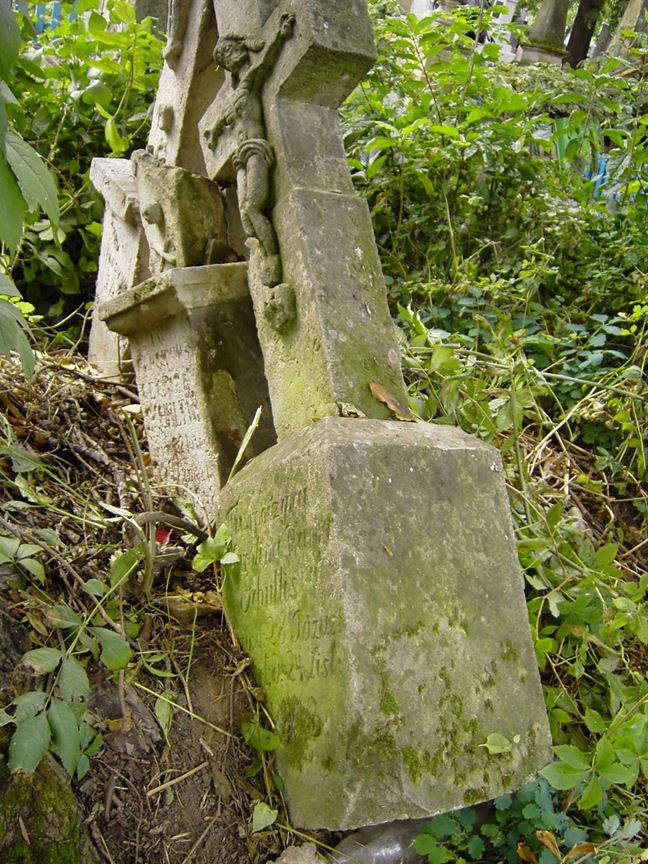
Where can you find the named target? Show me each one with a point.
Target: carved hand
(287, 25)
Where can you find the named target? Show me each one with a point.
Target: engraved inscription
(289, 630)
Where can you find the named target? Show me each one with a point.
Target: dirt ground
(72, 460)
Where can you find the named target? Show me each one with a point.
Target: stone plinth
(123, 261)
(380, 598)
(528, 55)
(199, 373)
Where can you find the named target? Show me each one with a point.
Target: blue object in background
(48, 15)
(599, 176)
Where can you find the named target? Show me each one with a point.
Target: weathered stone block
(327, 359)
(123, 261)
(380, 598)
(199, 373)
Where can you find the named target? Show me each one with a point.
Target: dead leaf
(548, 839)
(526, 854)
(580, 850)
(381, 394)
(346, 409)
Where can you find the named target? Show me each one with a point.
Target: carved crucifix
(289, 66)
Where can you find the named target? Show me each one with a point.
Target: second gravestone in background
(378, 591)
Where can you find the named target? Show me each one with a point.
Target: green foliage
(528, 826)
(85, 89)
(519, 286)
(53, 716)
(215, 550)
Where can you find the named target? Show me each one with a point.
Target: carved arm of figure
(270, 55)
(177, 28)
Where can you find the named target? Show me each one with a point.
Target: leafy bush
(85, 89)
(517, 272)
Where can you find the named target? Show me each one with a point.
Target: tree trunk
(582, 31)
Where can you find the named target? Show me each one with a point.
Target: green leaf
(12, 211)
(115, 650)
(29, 704)
(73, 680)
(258, 737)
(439, 855)
(35, 180)
(29, 744)
(476, 848)
(43, 660)
(617, 773)
(563, 776)
(65, 732)
(572, 756)
(83, 766)
(116, 142)
(7, 284)
(35, 568)
(8, 548)
(496, 743)
(95, 588)
(263, 816)
(164, 710)
(22, 460)
(5, 718)
(592, 795)
(9, 38)
(122, 567)
(594, 722)
(64, 617)
(425, 843)
(212, 549)
(442, 826)
(12, 334)
(444, 129)
(50, 537)
(230, 558)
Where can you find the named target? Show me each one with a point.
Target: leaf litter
(172, 782)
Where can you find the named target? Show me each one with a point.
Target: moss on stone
(388, 704)
(474, 796)
(46, 805)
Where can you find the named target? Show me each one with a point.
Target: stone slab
(199, 373)
(123, 261)
(183, 214)
(188, 85)
(380, 598)
(529, 55)
(343, 337)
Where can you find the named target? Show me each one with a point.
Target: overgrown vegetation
(80, 90)
(509, 204)
(510, 208)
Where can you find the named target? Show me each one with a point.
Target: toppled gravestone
(378, 591)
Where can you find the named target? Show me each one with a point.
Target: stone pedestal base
(379, 596)
(527, 55)
(199, 373)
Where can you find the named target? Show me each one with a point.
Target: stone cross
(378, 592)
(317, 362)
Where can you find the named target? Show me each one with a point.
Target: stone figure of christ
(249, 61)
